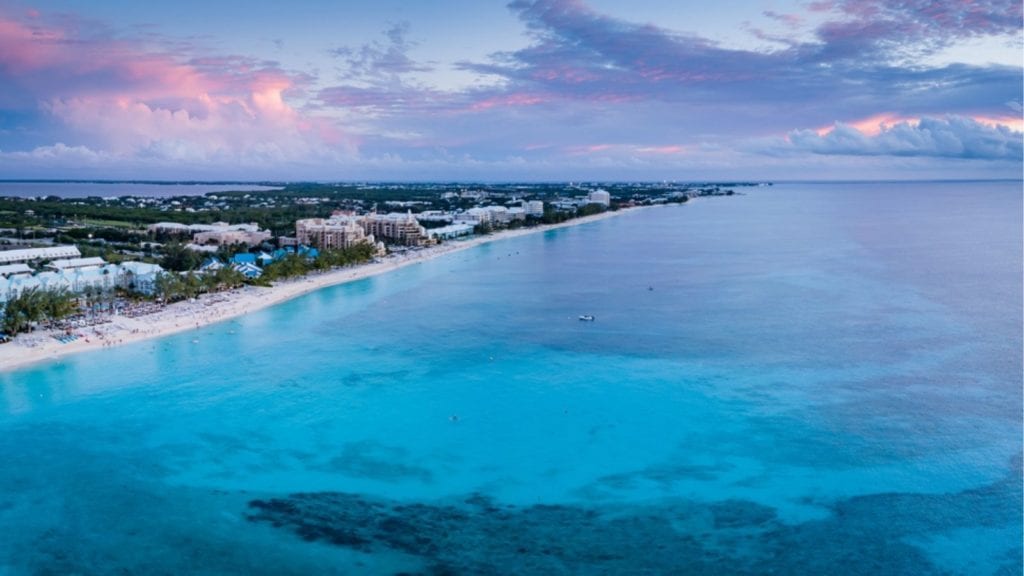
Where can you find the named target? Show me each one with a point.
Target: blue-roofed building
(249, 270)
(263, 259)
(211, 265)
(309, 252)
(136, 276)
(244, 258)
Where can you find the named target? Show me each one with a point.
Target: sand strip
(210, 308)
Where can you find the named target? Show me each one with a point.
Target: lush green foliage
(589, 210)
(34, 306)
(296, 265)
(171, 287)
(179, 258)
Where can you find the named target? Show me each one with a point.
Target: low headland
(44, 345)
(79, 274)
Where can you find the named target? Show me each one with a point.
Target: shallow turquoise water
(808, 378)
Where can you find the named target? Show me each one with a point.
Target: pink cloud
(878, 123)
(871, 125)
(131, 99)
(790, 20)
(509, 100)
(675, 149)
(949, 137)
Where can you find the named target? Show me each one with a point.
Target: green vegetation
(31, 307)
(178, 258)
(589, 210)
(172, 287)
(295, 265)
(552, 216)
(290, 266)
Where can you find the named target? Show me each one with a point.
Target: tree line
(36, 306)
(294, 265)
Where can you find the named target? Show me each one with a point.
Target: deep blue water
(117, 189)
(805, 379)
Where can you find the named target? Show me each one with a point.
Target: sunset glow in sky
(521, 90)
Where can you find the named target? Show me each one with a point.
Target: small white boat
(586, 318)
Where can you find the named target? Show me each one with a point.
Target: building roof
(212, 263)
(9, 269)
(215, 227)
(140, 268)
(26, 254)
(451, 230)
(249, 270)
(76, 279)
(201, 248)
(77, 263)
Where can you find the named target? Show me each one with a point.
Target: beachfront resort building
(435, 217)
(450, 231)
(79, 275)
(397, 228)
(535, 208)
(343, 229)
(599, 197)
(331, 233)
(493, 215)
(474, 216)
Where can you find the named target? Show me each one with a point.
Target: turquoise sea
(802, 379)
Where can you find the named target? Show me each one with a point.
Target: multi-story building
(397, 228)
(228, 237)
(499, 214)
(30, 254)
(450, 231)
(343, 230)
(178, 228)
(220, 233)
(599, 197)
(474, 216)
(333, 233)
(434, 216)
(535, 208)
(135, 276)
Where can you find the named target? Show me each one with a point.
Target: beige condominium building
(330, 234)
(344, 230)
(396, 228)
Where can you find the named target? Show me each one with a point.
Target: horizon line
(486, 182)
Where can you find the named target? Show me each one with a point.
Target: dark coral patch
(474, 535)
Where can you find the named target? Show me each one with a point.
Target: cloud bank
(587, 92)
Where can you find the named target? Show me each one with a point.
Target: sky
(527, 90)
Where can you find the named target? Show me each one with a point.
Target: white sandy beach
(210, 308)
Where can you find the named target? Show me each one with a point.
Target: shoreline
(38, 347)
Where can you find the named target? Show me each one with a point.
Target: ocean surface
(117, 189)
(803, 379)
